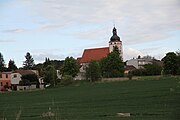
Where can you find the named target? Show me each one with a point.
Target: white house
(139, 62)
(16, 77)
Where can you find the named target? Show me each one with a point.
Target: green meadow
(145, 99)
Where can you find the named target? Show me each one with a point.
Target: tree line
(108, 67)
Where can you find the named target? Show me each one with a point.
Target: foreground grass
(144, 99)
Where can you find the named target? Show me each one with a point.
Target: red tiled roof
(94, 54)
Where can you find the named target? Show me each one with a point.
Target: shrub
(66, 80)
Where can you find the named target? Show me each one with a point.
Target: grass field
(145, 99)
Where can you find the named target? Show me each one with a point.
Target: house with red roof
(98, 53)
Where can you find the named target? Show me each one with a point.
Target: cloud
(141, 21)
(58, 54)
(137, 22)
(19, 30)
(7, 41)
(41, 57)
(131, 53)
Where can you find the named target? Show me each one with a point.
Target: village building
(11, 80)
(139, 62)
(5, 80)
(98, 53)
(16, 77)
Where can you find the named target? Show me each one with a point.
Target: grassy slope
(146, 100)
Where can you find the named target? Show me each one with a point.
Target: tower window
(1, 84)
(0, 75)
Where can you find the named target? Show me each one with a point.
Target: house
(98, 53)
(139, 62)
(16, 78)
(5, 80)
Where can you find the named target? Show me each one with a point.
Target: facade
(98, 53)
(139, 63)
(5, 79)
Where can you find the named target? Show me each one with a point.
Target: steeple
(115, 41)
(114, 31)
(115, 37)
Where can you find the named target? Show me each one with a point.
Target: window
(1, 84)
(6, 75)
(7, 83)
(15, 75)
(0, 75)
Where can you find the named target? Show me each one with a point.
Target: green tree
(30, 79)
(178, 61)
(29, 62)
(1, 63)
(112, 66)
(50, 75)
(66, 80)
(70, 67)
(103, 67)
(170, 62)
(12, 65)
(47, 62)
(39, 68)
(139, 72)
(153, 69)
(93, 72)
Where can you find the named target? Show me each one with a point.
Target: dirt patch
(48, 114)
(123, 114)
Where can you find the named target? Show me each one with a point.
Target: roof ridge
(96, 48)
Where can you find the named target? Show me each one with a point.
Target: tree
(2, 63)
(170, 62)
(12, 65)
(47, 62)
(153, 69)
(112, 66)
(50, 75)
(70, 67)
(178, 61)
(29, 79)
(139, 72)
(29, 62)
(93, 71)
(103, 67)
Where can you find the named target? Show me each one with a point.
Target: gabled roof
(24, 72)
(94, 54)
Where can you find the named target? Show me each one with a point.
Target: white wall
(133, 62)
(15, 78)
(119, 45)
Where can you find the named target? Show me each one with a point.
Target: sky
(61, 28)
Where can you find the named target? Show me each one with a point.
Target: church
(98, 53)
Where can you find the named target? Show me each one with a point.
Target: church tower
(115, 41)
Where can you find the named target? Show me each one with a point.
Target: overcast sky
(61, 28)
